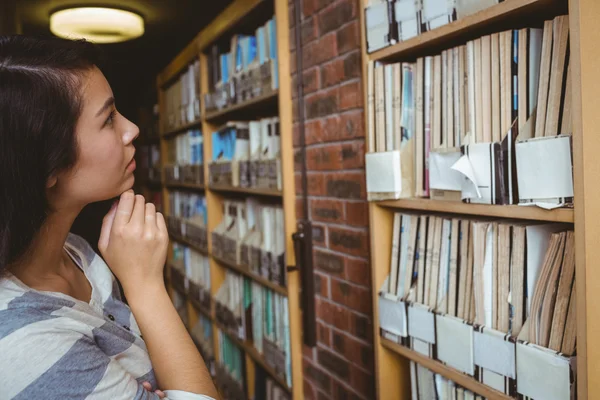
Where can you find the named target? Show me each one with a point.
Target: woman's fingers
(148, 387)
(150, 222)
(107, 224)
(124, 209)
(139, 209)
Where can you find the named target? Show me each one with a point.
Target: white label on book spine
(455, 343)
(421, 323)
(383, 172)
(542, 373)
(392, 316)
(494, 353)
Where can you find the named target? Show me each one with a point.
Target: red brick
(323, 334)
(351, 296)
(352, 65)
(332, 264)
(323, 158)
(343, 126)
(327, 210)
(353, 155)
(292, 36)
(296, 135)
(322, 285)
(348, 37)
(354, 242)
(310, 80)
(316, 184)
(334, 364)
(361, 327)
(323, 3)
(319, 51)
(313, 132)
(357, 213)
(308, 7)
(359, 353)
(298, 160)
(346, 185)
(299, 208)
(350, 96)
(358, 272)
(322, 104)
(323, 396)
(337, 15)
(362, 382)
(309, 391)
(309, 30)
(333, 314)
(320, 379)
(332, 73)
(341, 319)
(291, 15)
(325, 310)
(293, 64)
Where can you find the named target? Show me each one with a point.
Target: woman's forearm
(176, 361)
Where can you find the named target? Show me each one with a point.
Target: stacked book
(470, 123)
(267, 388)
(182, 98)
(185, 158)
(427, 385)
(202, 334)
(252, 235)
(247, 155)
(257, 314)
(246, 70)
(230, 370)
(509, 281)
(188, 218)
(390, 21)
(191, 274)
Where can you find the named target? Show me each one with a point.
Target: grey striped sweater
(53, 346)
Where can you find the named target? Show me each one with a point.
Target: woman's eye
(110, 119)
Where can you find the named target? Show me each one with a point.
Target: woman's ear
(52, 181)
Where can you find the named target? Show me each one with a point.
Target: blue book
(272, 28)
(224, 68)
(260, 37)
(252, 51)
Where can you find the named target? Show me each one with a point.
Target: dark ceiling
(170, 26)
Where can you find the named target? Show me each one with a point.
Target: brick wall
(341, 366)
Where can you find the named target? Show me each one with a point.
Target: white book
(403, 254)
(267, 228)
(397, 227)
(443, 278)
(534, 63)
(279, 231)
(242, 144)
(377, 26)
(471, 94)
(254, 128)
(389, 109)
(265, 143)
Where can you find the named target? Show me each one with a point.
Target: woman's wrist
(143, 293)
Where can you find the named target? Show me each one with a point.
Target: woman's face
(105, 163)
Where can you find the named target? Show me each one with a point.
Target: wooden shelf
(246, 272)
(462, 379)
(485, 210)
(183, 185)
(249, 349)
(250, 105)
(182, 128)
(188, 243)
(505, 11)
(247, 191)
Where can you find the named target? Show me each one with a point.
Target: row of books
(390, 21)
(255, 313)
(464, 124)
(186, 148)
(267, 388)
(247, 154)
(180, 304)
(202, 334)
(148, 161)
(188, 206)
(252, 234)
(182, 97)
(427, 385)
(497, 274)
(231, 368)
(194, 265)
(248, 68)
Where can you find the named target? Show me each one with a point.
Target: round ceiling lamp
(97, 24)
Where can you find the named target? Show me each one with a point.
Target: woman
(64, 331)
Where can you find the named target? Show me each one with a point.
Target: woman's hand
(148, 387)
(134, 241)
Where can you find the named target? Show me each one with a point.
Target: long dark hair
(40, 103)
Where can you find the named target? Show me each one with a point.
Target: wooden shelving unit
(392, 371)
(230, 113)
(241, 14)
(182, 128)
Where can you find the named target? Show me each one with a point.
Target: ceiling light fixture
(97, 24)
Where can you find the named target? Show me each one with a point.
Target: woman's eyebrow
(107, 104)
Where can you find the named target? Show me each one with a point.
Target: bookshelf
(392, 369)
(240, 15)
